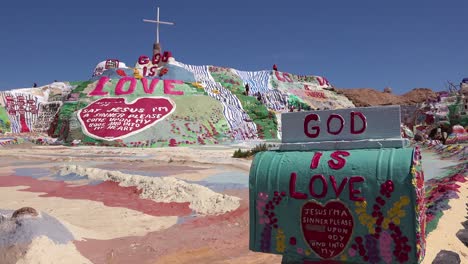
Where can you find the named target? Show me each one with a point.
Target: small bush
(241, 154)
(259, 148)
(249, 153)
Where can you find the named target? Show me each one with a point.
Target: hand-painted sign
(356, 206)
(22, 110)
(150, 66)
(148, 87)
(112, 64)
(47, 112)
(326, 228)
(114, 118)
(369, 125)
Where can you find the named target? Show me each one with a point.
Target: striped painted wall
(241, 125)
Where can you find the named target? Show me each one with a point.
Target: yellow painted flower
(395, 213)
(197, 85)
(385, 223)
(361, 204)
(343, 257)
(280, 241)
(405, 200)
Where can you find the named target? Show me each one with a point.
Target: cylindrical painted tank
(356, 206)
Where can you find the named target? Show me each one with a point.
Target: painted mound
(24, 239)
(202, 200)
(180, 105)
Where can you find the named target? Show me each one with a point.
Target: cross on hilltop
(156, 46)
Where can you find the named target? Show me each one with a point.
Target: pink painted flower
(351, 252)
(300, 251)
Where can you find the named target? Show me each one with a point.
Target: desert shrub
(241, 154)
(259, 148)
(249, 153)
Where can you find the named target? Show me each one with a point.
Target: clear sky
(355, 44)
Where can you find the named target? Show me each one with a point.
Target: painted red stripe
(108, 192)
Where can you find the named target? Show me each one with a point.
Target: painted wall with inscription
(142, 113)
(31, 109)
(312, 90)
(208, 104)
(357, 206)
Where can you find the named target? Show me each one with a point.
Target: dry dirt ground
(91, 221)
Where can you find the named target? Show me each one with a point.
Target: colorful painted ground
(189, 105)
(160, 205)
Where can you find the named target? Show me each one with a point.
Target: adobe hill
(371, 97)
(173, 104)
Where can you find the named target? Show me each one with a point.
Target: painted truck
(342, 188)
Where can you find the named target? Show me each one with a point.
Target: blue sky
(355, 44)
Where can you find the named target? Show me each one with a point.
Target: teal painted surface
(270, 173)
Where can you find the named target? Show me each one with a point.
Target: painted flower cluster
(265, 209)
(376, 247)
(280, 241)
(418, 182)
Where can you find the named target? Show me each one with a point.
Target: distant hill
(362, 97)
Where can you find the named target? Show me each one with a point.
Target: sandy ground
(106, 231)
(444, 237)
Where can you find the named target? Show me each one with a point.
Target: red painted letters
(352, 191)
(353, 126)
(342, 185)
(337, 156)
(324, 186)
(292, 188)
(119, 89)
(284, 78)
(330, 118)
(143, 60)
(98, 91)
(340, 162)
(169, 85)
(308, 119)
(314, 131)
(324, 183)
(315, 160)
(336, 162)
(150, 89)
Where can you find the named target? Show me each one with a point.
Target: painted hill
(181, 105)
(371, 97)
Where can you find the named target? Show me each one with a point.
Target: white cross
(157, 23)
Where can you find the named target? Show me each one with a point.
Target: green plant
(249, 153)
(241, 154)
(259, 148)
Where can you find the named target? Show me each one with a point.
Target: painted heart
(114, 118)
(327, 229)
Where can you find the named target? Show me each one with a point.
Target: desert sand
(116, 221)
(444, 236)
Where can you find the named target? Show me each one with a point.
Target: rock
(463, 236)
(447, 257)
(387, 90)
(465, 224)
(24, 212)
